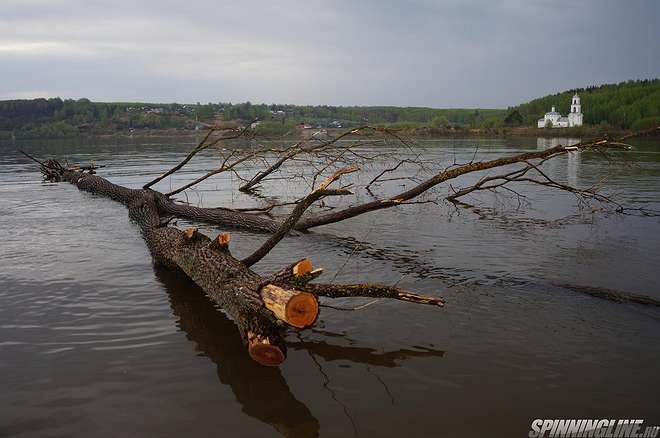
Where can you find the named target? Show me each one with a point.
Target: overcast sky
(454, 53)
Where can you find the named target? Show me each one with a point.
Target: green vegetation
(350, 116)
(276, 128)
(627, 105)
(66, 118)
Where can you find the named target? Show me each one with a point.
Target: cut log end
(190, 232)
(263, 352)
(302, 267)
(221, 243)
(298, 309)
(302, 310)
(223, 239)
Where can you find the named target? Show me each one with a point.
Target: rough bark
(260, 309)
(223, 278)
(219, 216)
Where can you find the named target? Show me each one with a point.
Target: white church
(554, 120)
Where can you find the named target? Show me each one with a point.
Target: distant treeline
(627, 105)
(347, 116)
(61, 118)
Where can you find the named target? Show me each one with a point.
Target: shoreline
(583, 131)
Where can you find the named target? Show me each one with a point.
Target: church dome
(552, 112)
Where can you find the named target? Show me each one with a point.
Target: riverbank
(578, 132)
(520, 131)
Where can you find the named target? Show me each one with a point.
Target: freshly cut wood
(296, 308)
(302, 267)
(190, 232)
(263, 352)
(288, 278)
(224, 239)
(221, 242)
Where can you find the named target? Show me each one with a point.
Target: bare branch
(224, 167)
(300, 148)
(446, 175)
(391, 169)
(370, 290)
(320, 192)
(200, 147)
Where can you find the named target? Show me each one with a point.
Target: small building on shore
(553, 119)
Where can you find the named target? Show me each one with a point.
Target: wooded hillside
(627, 105)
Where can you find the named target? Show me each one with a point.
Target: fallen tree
(264, 306)
(261, 306)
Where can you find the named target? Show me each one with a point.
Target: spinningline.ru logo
(605, 428)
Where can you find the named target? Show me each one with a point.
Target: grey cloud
(420, 52)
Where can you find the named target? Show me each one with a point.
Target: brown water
(95, 341)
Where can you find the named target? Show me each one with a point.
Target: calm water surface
(96, 341)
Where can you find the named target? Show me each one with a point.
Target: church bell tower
(575, 105)
(575, 116)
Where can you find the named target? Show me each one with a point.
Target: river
(96, 341)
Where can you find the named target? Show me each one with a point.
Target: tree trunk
(260, 308)
(223, 278)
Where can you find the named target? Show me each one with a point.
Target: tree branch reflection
(262, 391)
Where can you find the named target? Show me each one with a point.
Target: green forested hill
(326, 115)
(627, 105)
(55, 117)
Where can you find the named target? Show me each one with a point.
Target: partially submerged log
(262, 307)
(216, 337)
(613, 295)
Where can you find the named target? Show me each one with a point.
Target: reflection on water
(94, 340)
(572, 158)
(363, 355)
(573, 166)
(262, 391)
(543, 143)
